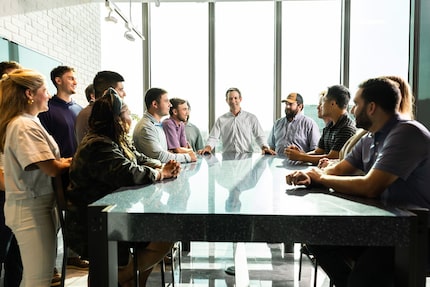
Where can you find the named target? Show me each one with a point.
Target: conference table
(245, 198)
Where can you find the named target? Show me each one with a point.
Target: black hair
(383, 92)
(104, 80)
(59, 72)
(340, 94)
(153, 94)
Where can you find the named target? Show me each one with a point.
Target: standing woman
(31, 159)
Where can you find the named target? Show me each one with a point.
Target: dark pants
(9, 251)
(356, 266)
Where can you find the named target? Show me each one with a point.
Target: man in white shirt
(236, 129)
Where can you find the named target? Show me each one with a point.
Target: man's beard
(291, 114)
(363, 121)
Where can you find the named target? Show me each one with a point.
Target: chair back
(60, 198)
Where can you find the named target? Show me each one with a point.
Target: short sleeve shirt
(335, 135)
(27, 142)
(175, 134)
(402, 148)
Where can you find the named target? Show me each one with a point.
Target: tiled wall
(69, 34)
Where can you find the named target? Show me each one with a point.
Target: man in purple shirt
(174, 127)
(395, 157)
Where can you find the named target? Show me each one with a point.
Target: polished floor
(205, 264)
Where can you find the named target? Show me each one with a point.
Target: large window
(379, 39)
(311, 34)
(123, 56)
(179, 55)
(244, 45)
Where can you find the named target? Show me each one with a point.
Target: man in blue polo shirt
(59, 121)
(395, 157)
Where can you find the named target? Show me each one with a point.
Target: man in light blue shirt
(236, 129)
(295, 128)
(149, 137)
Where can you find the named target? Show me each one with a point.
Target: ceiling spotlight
(128, 33)
(110, 17)
(157, 3)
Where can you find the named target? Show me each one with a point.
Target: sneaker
(77, 263)
(56, 278)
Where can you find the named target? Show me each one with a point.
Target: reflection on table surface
(237, 184)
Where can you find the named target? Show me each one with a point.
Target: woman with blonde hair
(31, 160)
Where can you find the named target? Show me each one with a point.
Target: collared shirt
(175, 133)
(81, 124)
(237, 132)
(302, 132)
(59, 121)
(150, 139)
(335, 136)
(402, 148)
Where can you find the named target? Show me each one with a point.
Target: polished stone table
(244, 198)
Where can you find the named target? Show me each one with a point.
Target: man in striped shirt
(340, 128)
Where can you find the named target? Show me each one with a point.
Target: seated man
(149, 137)
(335, 134)
(193, 134)
(295, 128)
(236, 129)
(394, 172)
(174, 127)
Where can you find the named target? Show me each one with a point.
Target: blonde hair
(13, 100)
(406, 106)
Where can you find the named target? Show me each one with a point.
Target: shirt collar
(388, 126)
(152, 119)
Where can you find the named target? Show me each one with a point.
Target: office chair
(175, 251)
(313, 259)
(61, 211)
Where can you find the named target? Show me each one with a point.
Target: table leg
(241, 265)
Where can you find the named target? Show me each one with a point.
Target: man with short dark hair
(89, 93)
(149, 137)
(102, 81)
(295, 128)
(59, 121)
(394, 171)
(335, 134)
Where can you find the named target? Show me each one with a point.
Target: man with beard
(395, 171)
(295, 128)
(335, 134)
(236, 129)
